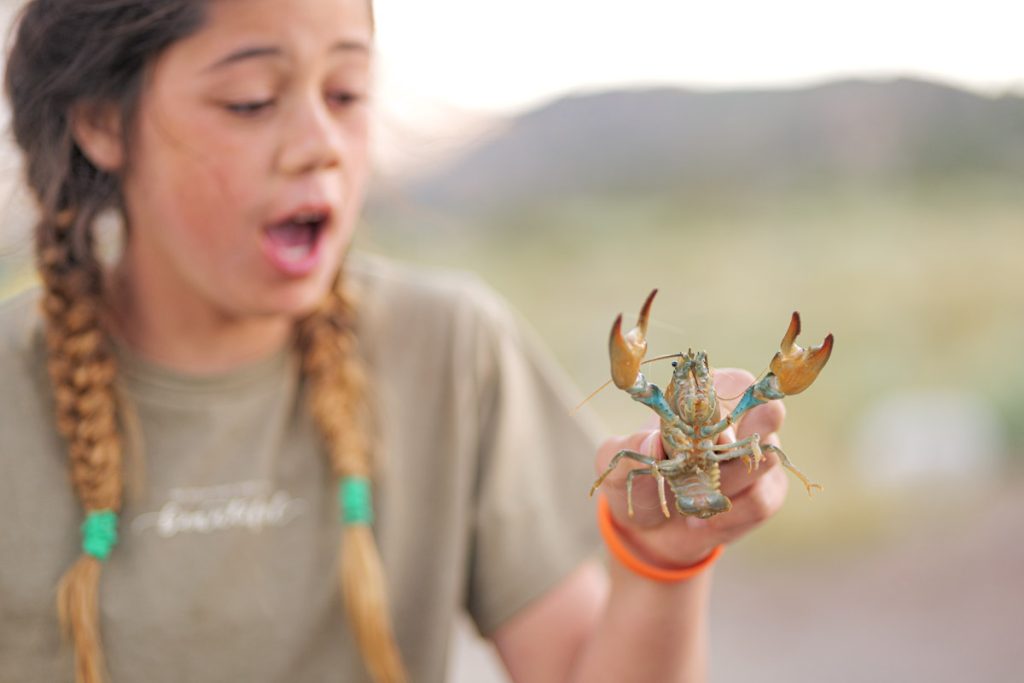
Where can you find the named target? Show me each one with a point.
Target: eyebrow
(263, 51)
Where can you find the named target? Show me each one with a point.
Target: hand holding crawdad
(689, 412)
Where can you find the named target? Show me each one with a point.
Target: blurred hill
(692, 143)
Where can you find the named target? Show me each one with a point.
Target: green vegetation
(921, 285)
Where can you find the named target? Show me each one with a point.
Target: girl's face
(249, 157)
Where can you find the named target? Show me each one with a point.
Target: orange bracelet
(638, 566)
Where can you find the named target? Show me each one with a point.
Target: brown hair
(71, 52)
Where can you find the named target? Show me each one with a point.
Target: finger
(764, 419)
(755, 505)
(642, 442)
(736, 478)
(647, 509)
(726, 437)
(730, 383)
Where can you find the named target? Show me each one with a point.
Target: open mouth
(292, 243)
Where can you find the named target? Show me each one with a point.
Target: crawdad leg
(749, 449)
(651, 469)
(808, 484)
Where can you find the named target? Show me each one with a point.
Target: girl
(264, 378)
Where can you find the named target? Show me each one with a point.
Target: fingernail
(650, 444)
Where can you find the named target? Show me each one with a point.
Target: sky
(499, 56)
(447, 67)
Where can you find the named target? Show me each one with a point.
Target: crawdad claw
(753, 461)
(626, 351)
(796, 367)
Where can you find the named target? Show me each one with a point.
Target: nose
(312, 139)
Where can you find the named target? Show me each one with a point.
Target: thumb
(651, 445)
(645, 496)
(646, 442)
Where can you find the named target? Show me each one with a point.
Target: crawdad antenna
(757, 379)
(601, 388)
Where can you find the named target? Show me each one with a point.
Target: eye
(344, 98)
(249, 108)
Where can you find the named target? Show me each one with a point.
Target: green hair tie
(99, 533)
(355, 500)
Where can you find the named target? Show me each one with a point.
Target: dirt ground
(939, 601)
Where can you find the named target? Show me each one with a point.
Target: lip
(304, 207)
(274, 251)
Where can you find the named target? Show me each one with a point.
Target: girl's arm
(617, 625)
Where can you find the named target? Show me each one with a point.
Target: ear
(96, 129)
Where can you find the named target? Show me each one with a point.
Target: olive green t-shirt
(225, 569)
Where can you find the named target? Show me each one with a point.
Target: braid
(82, 372)
(68, 52)
(336, 398)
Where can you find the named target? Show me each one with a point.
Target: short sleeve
(534, 522)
